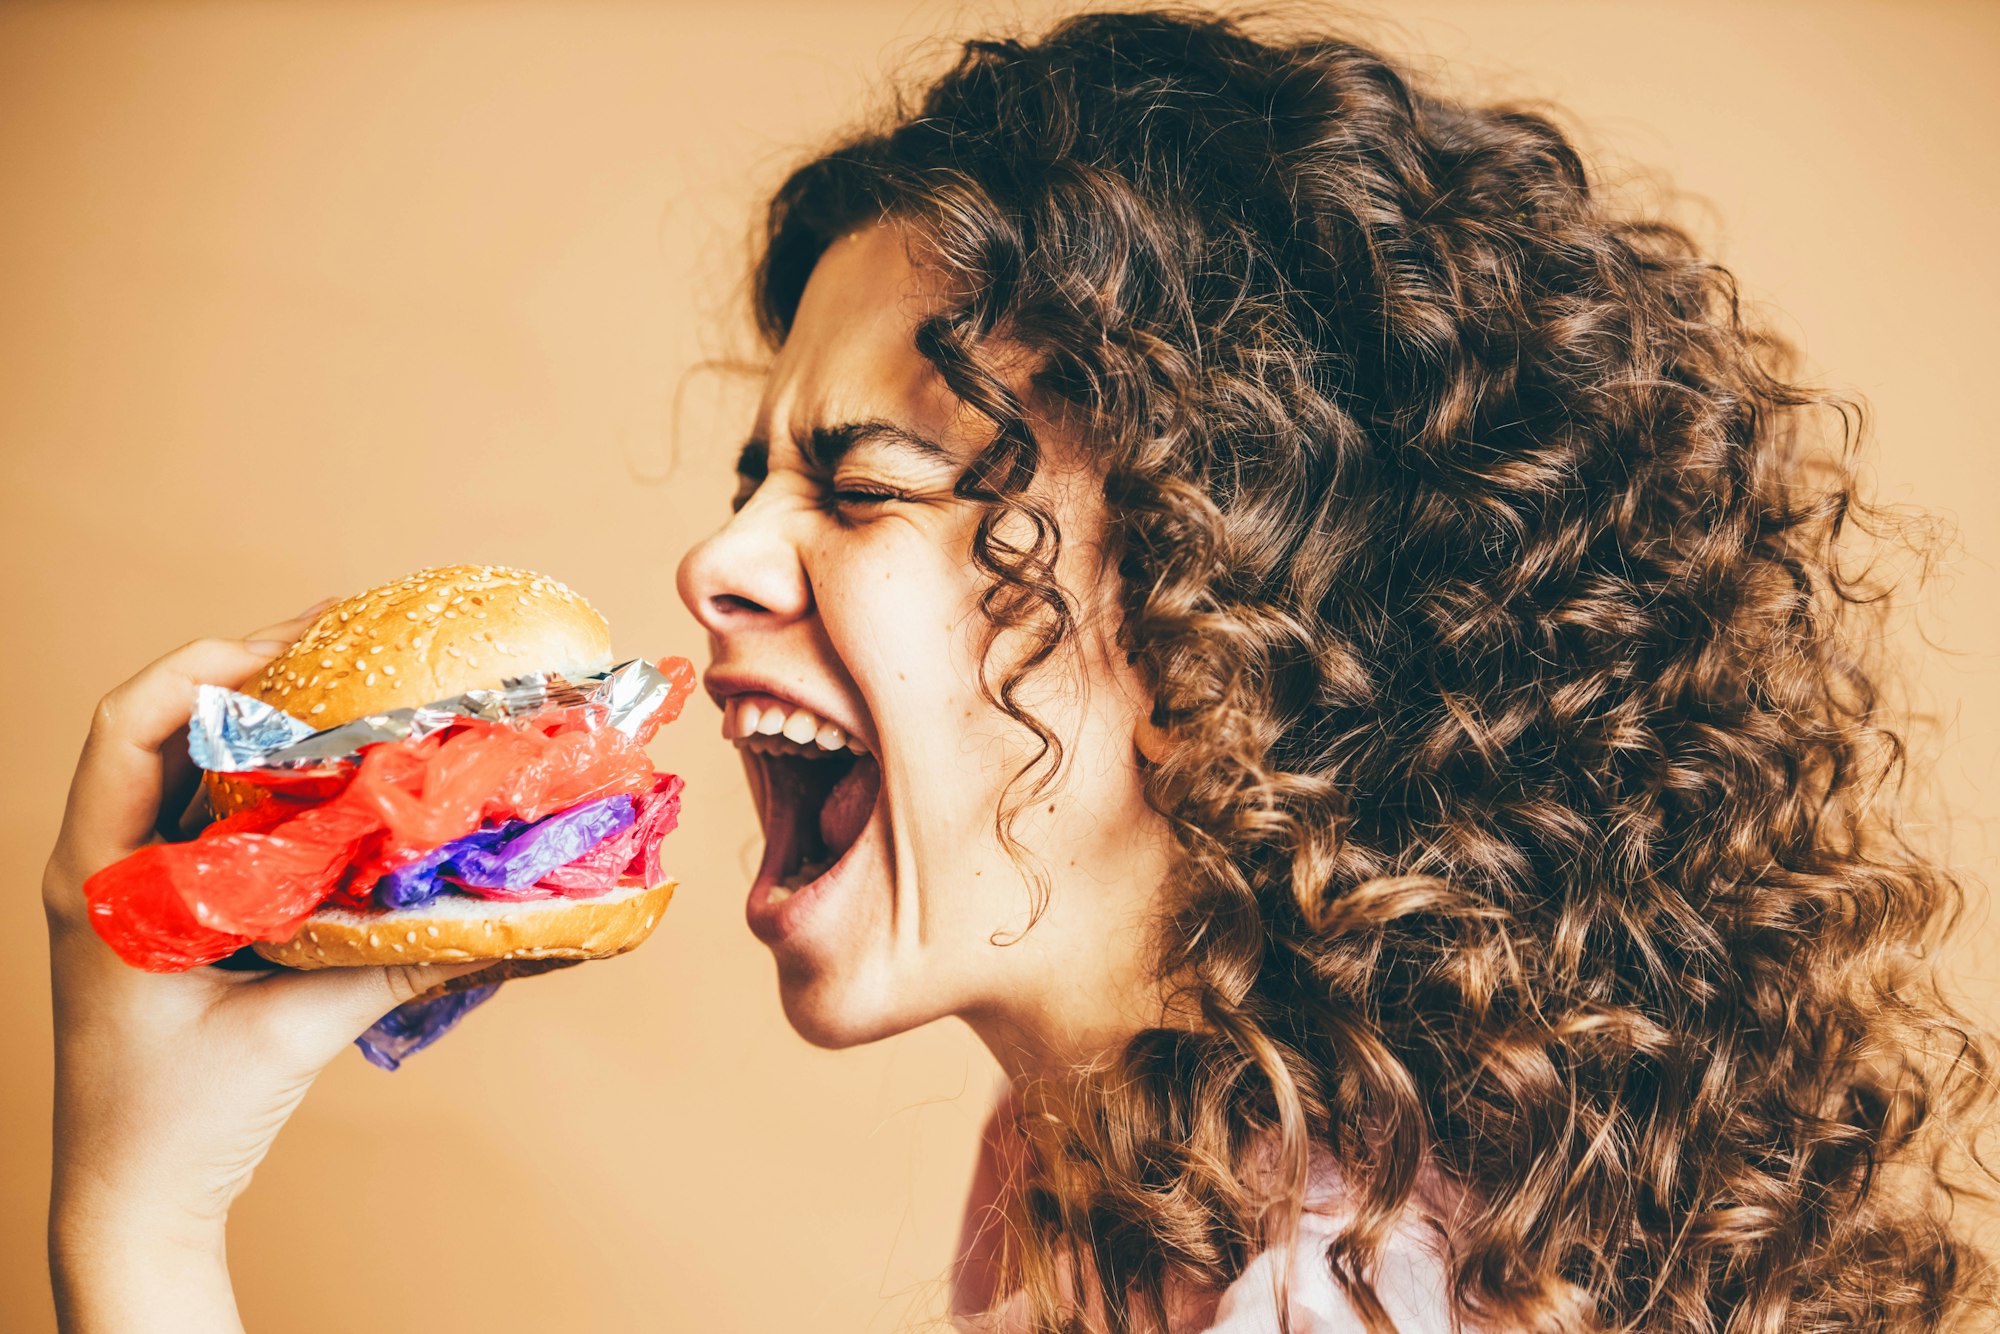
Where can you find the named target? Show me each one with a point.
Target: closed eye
(856, 495)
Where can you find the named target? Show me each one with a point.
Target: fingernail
(316, 608)
(266, 648)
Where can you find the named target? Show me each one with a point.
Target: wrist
(85, 1216)
(76, 1225)
(131, 1268)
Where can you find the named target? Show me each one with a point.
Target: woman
(1371, 733)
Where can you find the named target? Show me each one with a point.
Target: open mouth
(816, 804)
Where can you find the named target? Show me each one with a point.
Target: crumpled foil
(232, 733)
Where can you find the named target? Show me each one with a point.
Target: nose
(745, 575)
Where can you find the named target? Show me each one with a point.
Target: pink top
(1409, 1277)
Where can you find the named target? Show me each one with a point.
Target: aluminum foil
(227, 725)
(233, 733)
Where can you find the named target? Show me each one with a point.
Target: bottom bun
(459, 928)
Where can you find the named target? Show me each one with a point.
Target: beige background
(294, 298)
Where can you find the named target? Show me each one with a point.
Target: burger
(448, 767)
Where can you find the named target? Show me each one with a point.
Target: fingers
(116, 793)
(291, 628)
(135, 777)
(184, 811)
(179, 779)
(180, 784)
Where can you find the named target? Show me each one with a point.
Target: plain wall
(297, 297)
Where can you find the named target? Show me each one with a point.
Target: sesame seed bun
(453, 928)
(427, 636)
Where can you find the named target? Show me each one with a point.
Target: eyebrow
(823, 446)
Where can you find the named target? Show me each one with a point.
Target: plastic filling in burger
(520, 822)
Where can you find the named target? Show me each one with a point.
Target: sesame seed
(326, 662)
(374, 939)
(319, 708)
(410, 615)
(396, 946)
(431, 930)
(343, 616)
(389, 668)
(410, 936)
(433, 607)
(376, 649)
(368, 680)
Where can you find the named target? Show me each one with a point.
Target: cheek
(903, 618)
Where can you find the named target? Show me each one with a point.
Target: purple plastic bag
(416, 1024)
(507, 857)
(510, 856)
(415, 883)
(532, 853)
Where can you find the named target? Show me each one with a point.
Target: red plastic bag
(680, 684)
(634, 852)
(172, 906)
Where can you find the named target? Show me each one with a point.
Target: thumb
(337, 1005)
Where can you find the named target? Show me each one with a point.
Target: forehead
(850, 352)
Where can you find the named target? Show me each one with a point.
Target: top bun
(426, 636)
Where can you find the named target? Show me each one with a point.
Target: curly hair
(1529, 734)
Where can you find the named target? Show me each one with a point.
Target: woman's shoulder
(1409, 1276)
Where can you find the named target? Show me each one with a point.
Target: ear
(1152, 743)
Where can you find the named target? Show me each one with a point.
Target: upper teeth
(761, 715)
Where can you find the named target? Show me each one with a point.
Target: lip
(775, 922)
(723, 685)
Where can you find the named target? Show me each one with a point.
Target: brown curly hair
(1529, 748)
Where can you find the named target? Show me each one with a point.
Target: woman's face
(841, 605)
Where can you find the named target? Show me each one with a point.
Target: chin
(830, 1012)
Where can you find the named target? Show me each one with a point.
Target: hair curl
(1527, 752)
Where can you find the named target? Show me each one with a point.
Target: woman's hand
(171, 1086)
